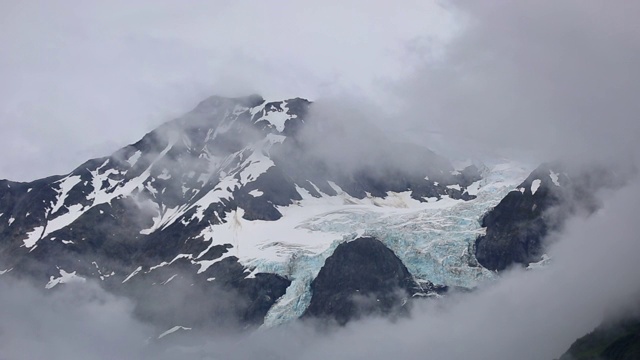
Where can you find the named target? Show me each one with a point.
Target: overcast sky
(560, 77)
(83, 78)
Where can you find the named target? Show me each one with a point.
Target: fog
(523, 315)
(533, 81)
(81, 322)
(545, 79)
(82, 79)
(536, 81)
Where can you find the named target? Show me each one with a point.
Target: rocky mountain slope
(232, 209)
(541, 204)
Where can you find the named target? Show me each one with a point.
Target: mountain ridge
(236, 198)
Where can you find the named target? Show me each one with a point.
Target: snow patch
(540, 264)
(172, 330)
(169, 279)
(205, 264)
(64, 278)
(164, 263)
(137, 270)
(535, 184)
(33, 236)
(134, 158)
(276, 117)
(75, 211)
(256, 193)
(554, 177)
(474, 188)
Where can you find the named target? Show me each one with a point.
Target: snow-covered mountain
(231, 203)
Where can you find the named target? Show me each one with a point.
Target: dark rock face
(619, 341)
(517, 225)
(362, 277)
(516, 228)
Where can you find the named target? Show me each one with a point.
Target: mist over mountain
(230, 219)
(472, 197)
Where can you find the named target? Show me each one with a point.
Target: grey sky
(80, 79)
(557, 78)
(538, 79)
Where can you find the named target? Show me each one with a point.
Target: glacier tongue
(435, 239)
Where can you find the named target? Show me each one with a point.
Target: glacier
(434, 239)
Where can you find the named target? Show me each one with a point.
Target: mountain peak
(232, 195)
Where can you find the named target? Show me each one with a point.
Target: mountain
(361, 278)
(540, 205)
(241, 209)
(618, 340)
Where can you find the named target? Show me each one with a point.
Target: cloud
(83, 79)
(80, 322)
(547, 79)
(534, 81)
(556, 79)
